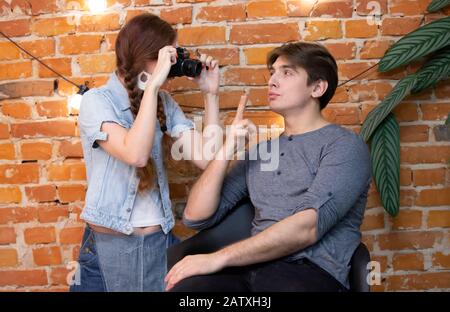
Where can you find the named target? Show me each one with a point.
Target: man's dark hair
(315, 59)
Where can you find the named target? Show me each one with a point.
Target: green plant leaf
(379, 113)
(436, 5)
(385, 157)
(425, 40)
(447, 121)
(437, 68)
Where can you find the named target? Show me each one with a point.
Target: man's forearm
(205, 195)
(281, 239)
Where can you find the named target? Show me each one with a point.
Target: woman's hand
(167, 56)
(208, 81)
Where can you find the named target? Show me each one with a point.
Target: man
(307, 212)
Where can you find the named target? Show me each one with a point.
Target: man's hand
(194, 265)
(240, 129)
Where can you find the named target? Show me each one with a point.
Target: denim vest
(113, 184)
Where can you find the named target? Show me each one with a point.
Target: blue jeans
(122, 263)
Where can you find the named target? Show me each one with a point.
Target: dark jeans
(298, 276)
(88, 276)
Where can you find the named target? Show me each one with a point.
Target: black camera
(185, 66)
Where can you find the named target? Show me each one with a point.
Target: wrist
(211, 97)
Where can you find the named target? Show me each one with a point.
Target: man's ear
(320, 87)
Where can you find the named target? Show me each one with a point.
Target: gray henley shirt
(327, 170)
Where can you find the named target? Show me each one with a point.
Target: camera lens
(191, 68)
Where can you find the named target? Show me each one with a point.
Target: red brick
(434, 197)
(424, 154)
(66, 171)
(408, 7)
(80, 44)
(407, 219)
(374, 49)
(399, 26)
(44, 129)
(52, 213)
(98, 63)
(201, 35)
(7, 151)
(8, 51)
(264, 33)
(71, 193)
(27, 88)
(98, 23)
(225, 56)
(341, 115)
(70, 149)
(10, 195)
(38, 48)
(19, 173)
(266, 8)
(409, 240)
(47, 256)
(257, 56)
(71, 235)
(16, 28)
(423, 177)
(234, 12)
(342, 51)
(19, 110)
(246, 76)
(53, 109)
(441, 260)
(17, 215)
(321, 30)
(373, 222)
(439, 218)
(8, 257)
(16, 70)
(409, 261)
(47, 27)
(7, 235)
(40, 235)
(360, 29)
(435, 111)
(58, 276)
(41, 193)
(416, 133)
(177, 16)
(23, 278)
(36, 150)
(425, 281)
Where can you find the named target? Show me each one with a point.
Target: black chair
(236, 226)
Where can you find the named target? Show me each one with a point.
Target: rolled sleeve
(233, 190)
(342, 177)
(95, 109)
(178, 123)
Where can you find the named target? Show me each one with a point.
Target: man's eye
(287, 73)
(271, 73)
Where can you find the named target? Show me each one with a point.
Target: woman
(127, 207)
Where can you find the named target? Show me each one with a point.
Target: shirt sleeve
(343, 175)
(95, 109)
(178, 122)
(234, 189)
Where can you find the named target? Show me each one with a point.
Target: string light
(74, 100)
(97, 6)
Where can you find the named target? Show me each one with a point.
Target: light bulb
(75, 101)
(97, 6)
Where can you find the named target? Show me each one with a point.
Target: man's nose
(273, 82)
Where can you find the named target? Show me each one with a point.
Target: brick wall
(42, 175)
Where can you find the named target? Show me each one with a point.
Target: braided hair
(139, 42)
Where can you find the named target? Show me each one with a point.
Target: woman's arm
(133, 146)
